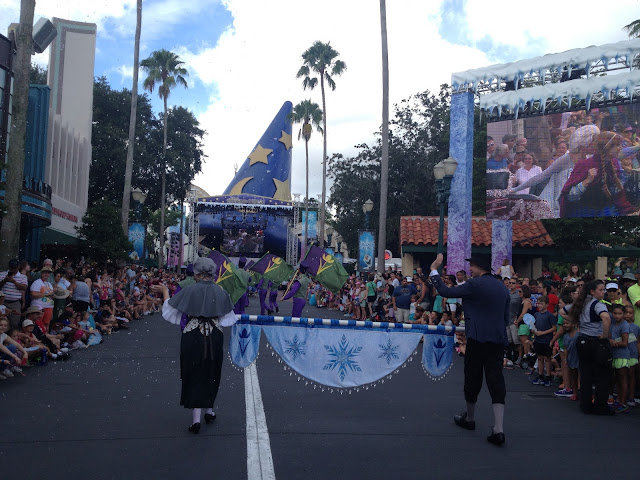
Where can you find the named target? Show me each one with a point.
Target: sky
(243, 55)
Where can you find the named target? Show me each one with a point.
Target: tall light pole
(443, 173)
(367, 207)
(329, 234)
(139, 198)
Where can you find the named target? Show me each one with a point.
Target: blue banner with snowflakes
(341, 357)
(437, 354)
(244, 344)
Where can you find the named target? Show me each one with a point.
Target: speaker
(43, 34)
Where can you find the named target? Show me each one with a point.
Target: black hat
(480, 261)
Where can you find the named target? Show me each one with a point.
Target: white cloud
(554, 25)
(125, 71)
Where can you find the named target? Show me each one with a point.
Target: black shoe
(496, 438)
(277, 309)
(208, 418)
(461, 421)
(195, 428)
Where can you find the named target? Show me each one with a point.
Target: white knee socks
(498, 417)
(196, 412)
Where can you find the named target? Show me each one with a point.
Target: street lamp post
(366, 208)
(443, 173)
(138, 197)
(329, 234)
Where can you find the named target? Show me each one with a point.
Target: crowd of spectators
(542, 335)
(49, 310)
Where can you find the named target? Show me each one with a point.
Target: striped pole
(330, 322)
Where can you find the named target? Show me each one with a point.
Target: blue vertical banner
(366, 251)
(137, 233)
(330, 251)
(313, 222)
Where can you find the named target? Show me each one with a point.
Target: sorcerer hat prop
(266, 172)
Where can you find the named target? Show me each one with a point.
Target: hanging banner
(342, 353)
(137, 233)
(312, 229)
(366, 251)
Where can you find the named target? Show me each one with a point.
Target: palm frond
(633, 29)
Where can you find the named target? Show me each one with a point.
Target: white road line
(259, 460)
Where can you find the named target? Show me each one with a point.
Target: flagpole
(291, 282)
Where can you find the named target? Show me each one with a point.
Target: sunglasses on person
(513, 283)
(491, 144)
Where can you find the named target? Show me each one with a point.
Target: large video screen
(565, 165)
(242, 241)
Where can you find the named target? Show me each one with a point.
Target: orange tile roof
(416, 230)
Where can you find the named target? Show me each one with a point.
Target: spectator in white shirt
(13, 283)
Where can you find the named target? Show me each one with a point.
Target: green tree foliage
(419, 138)
(101, 234)
(587, 233)
(37, 75)
(111, 110)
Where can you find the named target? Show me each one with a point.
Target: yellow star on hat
(283, 191)
(285, 139)
(259, 155)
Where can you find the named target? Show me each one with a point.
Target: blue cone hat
(266, 171)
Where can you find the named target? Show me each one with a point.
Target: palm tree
(126, 194)
(165, 69)
(320, 60)
(384, 161)
(310, 115)
(633, 29)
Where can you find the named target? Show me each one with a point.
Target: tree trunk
(163, 200)
(384, 161)
(324, 163)
(306, 200)
(10, 229)
(126, 195)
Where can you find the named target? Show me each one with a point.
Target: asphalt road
(111, 412)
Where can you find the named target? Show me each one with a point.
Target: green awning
(51, 236)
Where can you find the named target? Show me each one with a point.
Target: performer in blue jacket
(485, 302)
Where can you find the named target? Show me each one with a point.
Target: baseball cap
(27, 323)
(611, 286)
(409, 279)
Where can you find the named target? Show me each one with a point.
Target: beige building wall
(70, 77)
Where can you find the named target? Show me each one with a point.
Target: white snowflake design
(296, 347)
(389, 351)
(343, 358)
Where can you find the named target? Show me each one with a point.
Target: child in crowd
(412, 308)
(565, 390)
(633, 344)
(420, 315)
(569, 340)
(545, 328)
(434, 318)
(445, 319)
(620, 353)
(11, 352)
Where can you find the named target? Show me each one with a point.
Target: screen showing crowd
(565, 165)
(242, 241)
